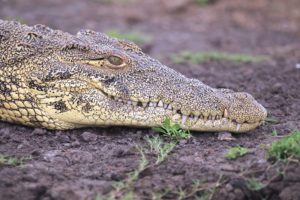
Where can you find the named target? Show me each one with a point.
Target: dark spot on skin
(42, 88)
(14, 80)
(3, 89)
(87, 108)
(33, 85)
(3, 84)
(75, 46)
(60, 106)
(109, 81)
(4, 35)
(54, 75)
(77, 100)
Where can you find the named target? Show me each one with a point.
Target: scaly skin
(51, 79)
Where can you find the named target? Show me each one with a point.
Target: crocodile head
(91, 79)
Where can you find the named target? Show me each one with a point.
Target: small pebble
(182, 142)
(39, 131)
(239, 193)
(229, 187)
(225, 136)
(228, 167)
(75, 144)
(88, 137)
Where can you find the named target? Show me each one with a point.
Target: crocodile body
(55, 80)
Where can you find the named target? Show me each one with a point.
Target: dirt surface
(80, 164)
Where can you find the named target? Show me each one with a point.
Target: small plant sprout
(154, 142)
(160, 148)
(125, 188)
(200, 190)
(274, 132)
(13, 161)
(133, 176)
(286, 147)
(172, 130)
(200, 57)
(271, 120)
(254, 185)
(202, 2)
(134, 36)
(164, 152)
(235, 152)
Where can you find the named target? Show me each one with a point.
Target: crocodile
(55, 80)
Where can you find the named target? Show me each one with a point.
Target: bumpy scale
(55, 80)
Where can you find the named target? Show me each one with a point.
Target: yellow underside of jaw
(148, 117)
(195, 123)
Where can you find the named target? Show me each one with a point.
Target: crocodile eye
(115, 60)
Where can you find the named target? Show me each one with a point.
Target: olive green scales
(55, 80)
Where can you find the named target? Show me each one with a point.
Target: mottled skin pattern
(51, 79)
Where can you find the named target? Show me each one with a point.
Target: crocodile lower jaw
(197, 123)
(223, 124)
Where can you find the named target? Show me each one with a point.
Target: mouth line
(193, 119)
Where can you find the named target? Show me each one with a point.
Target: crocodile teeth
(160, 104)
(144, 104)
(238, 126)
(196, 118)
(226, 113)
(193, 118)
(183, 120)
(151, 104)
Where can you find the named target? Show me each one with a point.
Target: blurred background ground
(82, 164)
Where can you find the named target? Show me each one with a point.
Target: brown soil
(80, 164)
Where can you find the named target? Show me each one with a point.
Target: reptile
(55, 80)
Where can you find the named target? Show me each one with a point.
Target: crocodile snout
(244, 108)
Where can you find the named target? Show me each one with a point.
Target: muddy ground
(81, 164)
